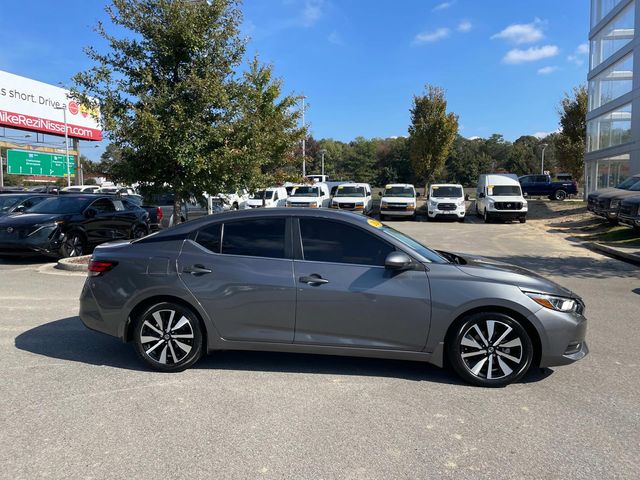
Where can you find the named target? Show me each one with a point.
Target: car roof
(389, 185)
(28, 194)
(354, 184)
(446, 185)
(503, 179)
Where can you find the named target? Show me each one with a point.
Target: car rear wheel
(523, 219)
(490, 350)
(73, 245)
(168, 337)
(560, 195)
(139, 232)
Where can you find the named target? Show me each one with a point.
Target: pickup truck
(542, 185)
(191, 208)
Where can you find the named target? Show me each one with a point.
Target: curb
(71, 264)
(614, 252)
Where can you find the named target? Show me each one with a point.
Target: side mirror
(90, 212)
(481, 195)
(397, 261)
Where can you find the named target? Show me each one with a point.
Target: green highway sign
(28, 162)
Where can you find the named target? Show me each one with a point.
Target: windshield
(426, 252)
(8, 201)
(629, 182)
(268, 194)
(306, 192)
(350, 192)
(61, 205)
(406, 192)
(506, 191)
(440, 192)
(635, 187)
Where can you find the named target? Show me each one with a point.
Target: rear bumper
(92, 317)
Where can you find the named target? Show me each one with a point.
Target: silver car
(326, 282)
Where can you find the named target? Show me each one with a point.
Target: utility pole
(544, 147)
(304, 142)
(322, 152)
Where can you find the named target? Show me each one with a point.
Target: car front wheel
(168, 337)
(490, 350)
(73, 245)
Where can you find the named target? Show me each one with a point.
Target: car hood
(23, 219)
(604, 191)
(497, 271)
(619, 194)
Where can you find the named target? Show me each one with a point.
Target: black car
(19, 202)
(71, 225)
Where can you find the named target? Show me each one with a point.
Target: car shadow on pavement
(18, 261)
(69, 339)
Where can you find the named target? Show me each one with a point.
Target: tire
(523, 219)
(161, 345)
(486, 217)
(476, 356)
(73, 245)
(139, 231)
(461, 220)
(559, 195)
(477, 211)
(235, 206)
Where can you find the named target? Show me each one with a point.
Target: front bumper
(45, 241)
(459, 212)
(606, 213)
(563, 338)
(507, 214)
(629, 220)
(397, 212)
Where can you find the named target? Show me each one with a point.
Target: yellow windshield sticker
(387, 187)
(434, 188)
(374, 223)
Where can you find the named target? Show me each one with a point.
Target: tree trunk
(177, 209)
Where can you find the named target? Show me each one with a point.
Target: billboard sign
(27, 104)
(27, 162)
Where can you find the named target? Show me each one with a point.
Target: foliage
(431, 133)
(571, 142)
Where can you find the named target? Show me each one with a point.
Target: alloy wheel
(492, 350)
(73, 246)
(167, 337)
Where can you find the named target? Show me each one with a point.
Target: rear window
(209, 237)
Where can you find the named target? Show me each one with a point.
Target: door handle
(313, 279)
(196, 270)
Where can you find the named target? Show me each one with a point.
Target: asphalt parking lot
(77, 404)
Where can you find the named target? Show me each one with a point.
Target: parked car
(318, 178)
(544, 186)
(629, 212)
(326, 282)
(592, 198)
(191, 208)
(11, 203)
(398, 200)
(269, 198)
(499, 196)
(231, 201)
(446, 201)
(81, 189)
(310, 196)
(44, 189)
(70, 225)
(353, 197)
(608, 202)
(117, 190)
(155, 213)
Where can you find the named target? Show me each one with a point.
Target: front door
(242, 274)
(347, 298)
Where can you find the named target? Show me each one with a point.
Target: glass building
(613, 132)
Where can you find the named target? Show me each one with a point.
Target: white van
(499, 196)
(271, 197)
(317, 178)
(355, 197)
(310, 196)
(398, 200)
(446, 200)
(231, 201)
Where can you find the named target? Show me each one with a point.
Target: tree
(431, 133)
(167, 92)
(467, 160)
(360, 160)
(571, 141)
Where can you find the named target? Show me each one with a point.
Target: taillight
(159, 213)
(98, 267)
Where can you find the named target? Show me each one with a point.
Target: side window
(104, 205)
(119, 205)
(337, 242)
(526, 179)
(209, 237)
(260, 237)
(541, 179)
(31, 202)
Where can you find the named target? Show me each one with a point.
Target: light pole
(66, 142)
(304, 142)
(544, 147)
(322, 152)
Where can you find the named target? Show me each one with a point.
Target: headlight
(37, 228)
(560, 304)
(360, 204)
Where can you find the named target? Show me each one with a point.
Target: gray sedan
(325, 282)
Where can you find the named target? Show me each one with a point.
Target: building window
(610, 129)
(612, 83)
(600, 9)
(607, 172)
(613, 36)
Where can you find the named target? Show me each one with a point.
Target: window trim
(299, 254)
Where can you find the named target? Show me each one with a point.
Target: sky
(505, 64)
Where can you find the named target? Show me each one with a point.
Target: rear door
(347, 298)
(241, 272)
